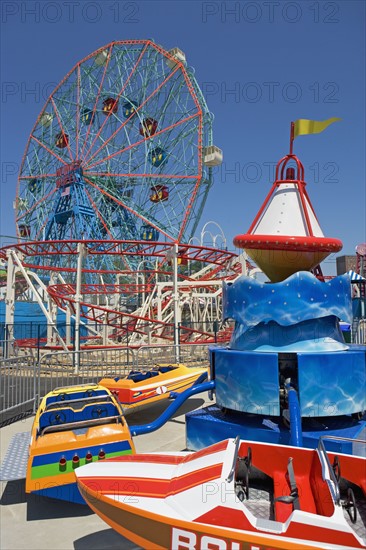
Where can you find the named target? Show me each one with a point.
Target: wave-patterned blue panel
(299, 298)
(340, 383)
(316, 335)
(247, 382)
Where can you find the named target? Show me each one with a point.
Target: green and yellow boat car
(74, 426)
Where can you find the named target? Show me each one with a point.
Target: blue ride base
(288, 377)
(212, 424)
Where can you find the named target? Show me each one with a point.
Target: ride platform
(212, 424)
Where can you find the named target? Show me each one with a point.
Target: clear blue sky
(259, 64)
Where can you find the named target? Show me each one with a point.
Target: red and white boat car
(233, 495)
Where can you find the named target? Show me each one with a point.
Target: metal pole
(10, 305)
(143, 284)
(38, 343)
(176, 301)
(81, 251)
(128, 350)
(6, 342)
(68, 326)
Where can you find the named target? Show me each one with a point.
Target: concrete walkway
(32, 522)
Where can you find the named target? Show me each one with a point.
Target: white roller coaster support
(52, 308)
(105, 297)
(105, 333)
(68, 326)
(203, 306)
(199, 274)
(13, 258)
(242, 259)
(117, 295)
(69, 316)
(176, 308)
(106, 329)
(81, 254)
(159, 289)
(10, 304)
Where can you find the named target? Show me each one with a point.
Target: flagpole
(292, 136)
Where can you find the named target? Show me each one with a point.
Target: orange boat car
(139, 389)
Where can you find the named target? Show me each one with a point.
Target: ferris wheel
(122, 149)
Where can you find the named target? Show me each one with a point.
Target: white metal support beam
(78, 297)
(17, 261)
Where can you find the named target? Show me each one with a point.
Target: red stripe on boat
(156, 488)
(146, 458)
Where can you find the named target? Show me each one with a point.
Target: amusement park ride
(287, 375)
(111, 188)
(289, 393)
(123, 147)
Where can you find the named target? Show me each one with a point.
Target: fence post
(38, 342)
(128, 354)
(6, 343)
(77, 298)
(215, 327)
(36, 382)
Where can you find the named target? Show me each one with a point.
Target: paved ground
(32, 522)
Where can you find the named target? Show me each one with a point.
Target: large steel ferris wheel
(121, 150)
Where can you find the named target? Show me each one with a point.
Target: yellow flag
(304, 126)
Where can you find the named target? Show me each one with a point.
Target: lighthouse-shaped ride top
(287, 376)
(285, 235)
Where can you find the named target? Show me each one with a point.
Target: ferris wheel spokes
(107, 60)
(135, 111)
(117, 98)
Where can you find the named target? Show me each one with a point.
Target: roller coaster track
(123, 323)
(218, 265)
(49, 249)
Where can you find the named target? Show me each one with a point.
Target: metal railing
(18, 387)
(192, 355)
(359, 336)
(86, 366)
(8, 348)
(31, 338)
(25, 379)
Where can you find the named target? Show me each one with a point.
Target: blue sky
(259, 64)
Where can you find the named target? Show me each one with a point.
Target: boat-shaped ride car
(233, 495)
(142, 388)
(74, 426)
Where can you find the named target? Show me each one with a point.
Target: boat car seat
(67, 396)
(137, 376)
(166, 369)
(67, 415)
